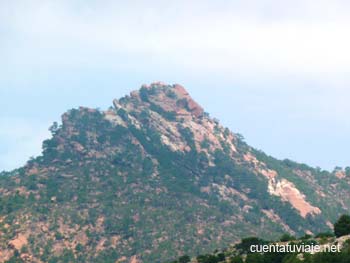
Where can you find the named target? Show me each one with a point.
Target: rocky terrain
(152, 178)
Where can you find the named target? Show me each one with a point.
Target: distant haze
(275, 71)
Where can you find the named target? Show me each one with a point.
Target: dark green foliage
(169, 115)
(54, 128)
(325, 235)
(342, 226)
(123, 114)
(110, 179)
(15, 258)
(255, 258)
(49, 148)
(236, 259)
(205, 144)
(183, 103)
(66, 257)
(171, 94)
(184, 259)
(241, 254)
(246, 243)
(109, 256)
(305, 237)
(287, 237)
(347, 171)
(144, 94)
(11, 203)
(331, 258)
(208, 259)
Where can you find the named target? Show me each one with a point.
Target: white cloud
(306, 37)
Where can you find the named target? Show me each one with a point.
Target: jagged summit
(171, 98)
(151, 179)
(169, 109)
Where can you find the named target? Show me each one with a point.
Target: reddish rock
(18, 242)
(193, 106)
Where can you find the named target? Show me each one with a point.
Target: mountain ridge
(130, 182)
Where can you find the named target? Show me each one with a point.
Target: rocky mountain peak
(131, 182)
(170, 98)
(175, 116)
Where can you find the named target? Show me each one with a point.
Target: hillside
(319, 251)
(152, 178)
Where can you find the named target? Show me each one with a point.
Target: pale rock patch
(289, 193)
(20, 241)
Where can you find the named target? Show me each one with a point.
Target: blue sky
(275, 71)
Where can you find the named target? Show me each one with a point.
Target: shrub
(184, 259)
(246, 243)
(325, 235)
(342, 226)
(286, 238)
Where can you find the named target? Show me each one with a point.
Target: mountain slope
(151, 179)
(241, 252)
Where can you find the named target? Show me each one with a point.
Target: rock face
(152, 179)
(193, 107)
(171, 98)
(18, 242)
(289, 193)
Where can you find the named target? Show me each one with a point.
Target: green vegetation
(241, 252)
(342, 226)
(137, 181)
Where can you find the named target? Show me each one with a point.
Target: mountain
(307, 249)
(151, 179)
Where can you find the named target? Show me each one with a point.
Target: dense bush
(342, 226)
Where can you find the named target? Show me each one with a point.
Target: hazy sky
(276, 71)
